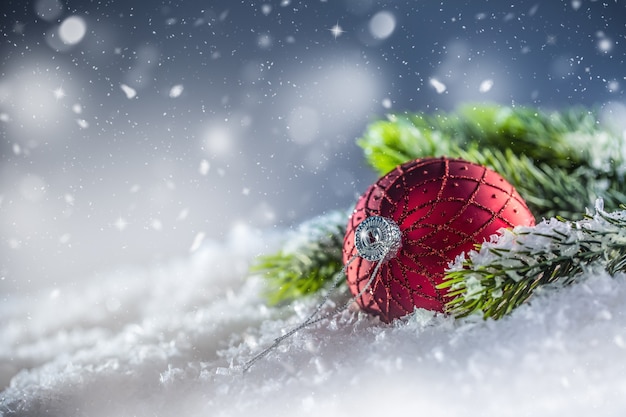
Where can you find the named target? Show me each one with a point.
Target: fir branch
(559, 162)
(308, 260)
(505, 272)
(541, 137)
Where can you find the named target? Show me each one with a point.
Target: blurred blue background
(132, 131)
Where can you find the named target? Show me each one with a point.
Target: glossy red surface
(443, 207)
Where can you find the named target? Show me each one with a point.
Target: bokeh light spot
(72, 30)
(48, 10)
(382, 25)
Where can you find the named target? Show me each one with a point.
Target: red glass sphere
(443, 207)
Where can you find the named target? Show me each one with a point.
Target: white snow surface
(159, 341)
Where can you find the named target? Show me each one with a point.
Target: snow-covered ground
(159, 342)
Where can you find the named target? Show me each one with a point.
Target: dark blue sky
(132, 130)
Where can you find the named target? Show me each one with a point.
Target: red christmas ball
(443, 207)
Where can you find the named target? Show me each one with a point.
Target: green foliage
(505, 273)
(559, 162)
(307, 261)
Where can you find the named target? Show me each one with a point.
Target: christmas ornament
(561, 162)
(442, 207)
(409, 226)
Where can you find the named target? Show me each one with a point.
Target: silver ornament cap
(378, 238)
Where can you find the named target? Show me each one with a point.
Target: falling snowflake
(129, 91)
(605, 45)
(197, 242)
(176, 91)
(266, 9)
(438, 85)
(485, 86)
(204, 167)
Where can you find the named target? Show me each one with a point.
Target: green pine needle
(559, 162)
(503, 274)
(307, 262)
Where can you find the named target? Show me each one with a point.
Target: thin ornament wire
(307, 322)
(388, 247)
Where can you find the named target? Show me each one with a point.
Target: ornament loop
(377, 238)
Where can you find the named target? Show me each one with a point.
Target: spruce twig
(308, 260)
(559, 162)
(504, 273)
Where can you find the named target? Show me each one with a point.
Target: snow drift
(160, 341)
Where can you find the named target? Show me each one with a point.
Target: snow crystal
(605, 45)
(129, 91)
(204, 167)
(197, 241)
(485, 86)
(437, 85)
(176, 91)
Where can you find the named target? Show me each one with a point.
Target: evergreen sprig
(308, 260)
(559, 162)
(504, 273)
